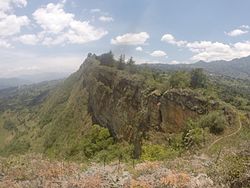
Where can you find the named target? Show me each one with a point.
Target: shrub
(215, 121)
(117, 151)
(9, 125)
(193, 135)
(107, 59)
(198, 79)
(180, 79)
(153, 152)
(19, 147)
(97, 140)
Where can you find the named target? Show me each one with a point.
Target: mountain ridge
(238, 68)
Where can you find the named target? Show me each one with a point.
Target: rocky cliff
(128, 107)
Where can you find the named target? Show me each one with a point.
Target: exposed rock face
(123, 103)
(176, 106)
(115, 101)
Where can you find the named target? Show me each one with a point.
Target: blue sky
(55, 35)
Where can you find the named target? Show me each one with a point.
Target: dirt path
(219, 139)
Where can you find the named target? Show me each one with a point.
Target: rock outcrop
(128, 107)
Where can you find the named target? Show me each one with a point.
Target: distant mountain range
(30, 79)
(236, 68)
(12, 82)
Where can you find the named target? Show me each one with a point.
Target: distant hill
(36, 78)
(12, 82)
(30, 79)
(236, 68)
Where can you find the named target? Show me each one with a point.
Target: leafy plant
(198, 79)
(153, 152)
(215, 121)
(180, 79)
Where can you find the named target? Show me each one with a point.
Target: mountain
(111, 110)
(30, 79)
(47, 76)
(236, 68)
(12, 82)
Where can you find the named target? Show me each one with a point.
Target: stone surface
(128, 107)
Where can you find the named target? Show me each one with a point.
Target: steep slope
(128, 107)
(123, 102)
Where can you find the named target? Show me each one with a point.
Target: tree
(89, 54)
(107, 59)
(198, 78)
(215, 121)
(131, 65)
(179, 79)
(121, 62)
(131, 61)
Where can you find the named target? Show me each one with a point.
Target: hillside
(30, 79)
(236, 68)
(12, 82)
(114, 110)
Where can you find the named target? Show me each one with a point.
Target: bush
(193, 136)
(198, 79)
(9, 125)
(215, 121)
(107, 59)
(97, 140)
(19, 147)
(153, 152)
(180, 79)
(118, 151)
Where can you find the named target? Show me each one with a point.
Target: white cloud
(245, 27)
(6, 5)
(4, 44)
(158, 53)
(139, 48)
(52, 18)
(131, 39)
(168, 38)
(106, 19)
(11, 24)
(95, 10)
(60, 27)
(174, 62)
(171, 40)
(28, 39)
(211, 51)
(82, 32)
(236, 32)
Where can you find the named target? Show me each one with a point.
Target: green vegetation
(9, 125)
(180, 79)
(215, 121)
(54, 118)
(198, 79)
(193, 136)
(153, 152)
